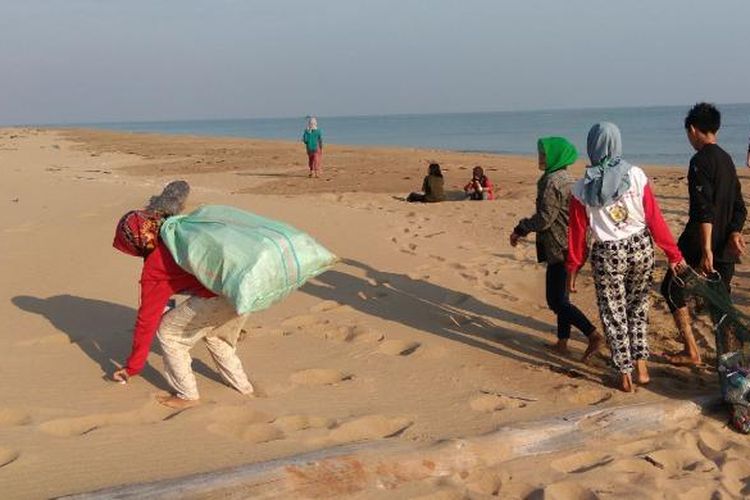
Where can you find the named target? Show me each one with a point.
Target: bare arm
(707, 261)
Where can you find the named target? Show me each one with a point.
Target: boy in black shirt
(711, 240)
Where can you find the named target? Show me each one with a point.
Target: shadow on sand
(102, 330)
(462, 318)
(450, 314)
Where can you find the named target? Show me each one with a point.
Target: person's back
(715, 196)
(434, 188)
(712, 239)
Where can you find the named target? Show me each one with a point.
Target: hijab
(608, 176)
(312, 123)
(137, 233)
(558, 151)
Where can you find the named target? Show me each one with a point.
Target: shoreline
(227, 136)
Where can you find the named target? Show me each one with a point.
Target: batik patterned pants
(622, 274)
(213, 320)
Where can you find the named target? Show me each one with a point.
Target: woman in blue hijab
(615, 203)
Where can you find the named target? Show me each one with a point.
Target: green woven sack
(251, 260)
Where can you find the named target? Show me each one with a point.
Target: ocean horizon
(651, 135)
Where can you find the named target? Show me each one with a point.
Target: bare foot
(596, 341)
(175, 402)
(560, 347)
(626, 383)
(641, 372)
(683, 358)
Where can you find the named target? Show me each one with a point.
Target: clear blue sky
(120, 60)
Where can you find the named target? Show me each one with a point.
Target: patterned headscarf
(137, 232)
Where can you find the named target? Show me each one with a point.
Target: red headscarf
(137, 232)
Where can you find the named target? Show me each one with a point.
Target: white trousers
(215, 321)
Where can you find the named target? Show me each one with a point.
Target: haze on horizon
(68, 61)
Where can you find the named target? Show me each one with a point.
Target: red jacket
(160, 279)
(486, 186)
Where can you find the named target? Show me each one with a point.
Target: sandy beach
(431, 328)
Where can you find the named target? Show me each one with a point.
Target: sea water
(651, 135)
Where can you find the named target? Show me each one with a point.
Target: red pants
(313, 160)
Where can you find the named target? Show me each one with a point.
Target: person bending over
(203, 316)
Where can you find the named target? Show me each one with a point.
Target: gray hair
(172, 199)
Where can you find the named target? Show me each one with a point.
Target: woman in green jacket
(550, 223)
(432, 187)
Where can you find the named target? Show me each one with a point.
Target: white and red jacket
(641, 209)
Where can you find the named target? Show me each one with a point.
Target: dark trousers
(675, 295)
(558, 300)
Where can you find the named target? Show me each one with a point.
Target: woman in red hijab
(203, 316)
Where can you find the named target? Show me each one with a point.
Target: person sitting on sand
(313, 139)
(550, 222)
(432, 187)
(479, 187)
(203, 316)
(615, 202)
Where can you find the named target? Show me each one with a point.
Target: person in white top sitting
(616, 204)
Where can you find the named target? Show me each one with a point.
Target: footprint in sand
(582, 395)
(410, 249)
(565, 490)
(735, 475)
(319, 376)
(302, 321)
(471, 277)
(151, 413)
(581, 462)
(238, 422)
(490, 402)
(347, 333)
(338, 334)
(399, 347)
(365, 428)
(8, 456)
(366, 334)
(325, 306)
(244, 423)
(10, 417)
(295, 423)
